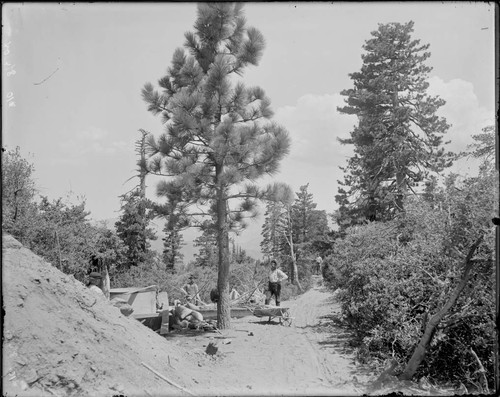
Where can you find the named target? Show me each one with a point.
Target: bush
(394, 276)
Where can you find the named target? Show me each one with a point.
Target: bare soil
(60, 339)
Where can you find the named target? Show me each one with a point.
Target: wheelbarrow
(281, 313)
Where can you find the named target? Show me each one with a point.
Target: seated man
(184, 317)
(191, 290)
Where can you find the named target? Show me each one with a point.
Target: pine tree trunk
(223, 307)
(58, 249)
(295, 276)
(425, 341)
(401, 190)
(142, 187)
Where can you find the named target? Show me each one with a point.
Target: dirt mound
(62, 339)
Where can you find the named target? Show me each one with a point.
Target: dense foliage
(57, 230)
(393, 276)
(398, 139)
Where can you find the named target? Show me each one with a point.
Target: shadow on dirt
(188, 333)
(266, 322)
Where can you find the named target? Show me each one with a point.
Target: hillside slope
(61, 339)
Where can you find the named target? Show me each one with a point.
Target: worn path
(261, 358)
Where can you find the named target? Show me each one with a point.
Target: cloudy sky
(72, 75)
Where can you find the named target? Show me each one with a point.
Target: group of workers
(192, 293)
(275, 277)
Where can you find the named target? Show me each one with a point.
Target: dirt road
(260, 358)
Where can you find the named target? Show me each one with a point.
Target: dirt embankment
(61, 339)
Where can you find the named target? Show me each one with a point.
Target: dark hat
(95, 275)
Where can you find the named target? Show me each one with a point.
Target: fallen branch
(431, 326)
(167, 380)
(482, 371)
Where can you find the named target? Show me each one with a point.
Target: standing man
(276, 275)
(319, 261)
(191, 290)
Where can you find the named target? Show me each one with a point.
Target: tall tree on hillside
(133, 224)
(308, 222)
(172, 243)
(274, 229)
(132, 227)
(398, 139)
(302, 210)
(218, 131)
(207, 243)
(279, 226)
(310, 226)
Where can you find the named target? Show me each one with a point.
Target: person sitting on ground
(185, 317)
(95, 282)
(192, 293)
(276, 275)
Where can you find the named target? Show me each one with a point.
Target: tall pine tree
(302, 211)
(218, 131)
(274, 229)
(133, 224)
(398, 139)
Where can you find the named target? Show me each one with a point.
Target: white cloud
(91, 141)
(314, 125)
(462, 111)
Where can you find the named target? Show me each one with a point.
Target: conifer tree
(132, 227)
(274, 229)
(280, 199)
(207, 243)
(302, 212)
(133, 224)
(218, 133)
(172, 243)
(398, 139)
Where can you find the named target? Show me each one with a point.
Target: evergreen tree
(132, 227)
(302, 211)
(398, 139)
(207, 243)
(172, 243)
(279, 226)
(310, 226)
(218, 131)
(273, 229)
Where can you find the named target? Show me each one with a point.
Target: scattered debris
(167, 380)
(212, 348)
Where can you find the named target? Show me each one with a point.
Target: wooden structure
(144, 303)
